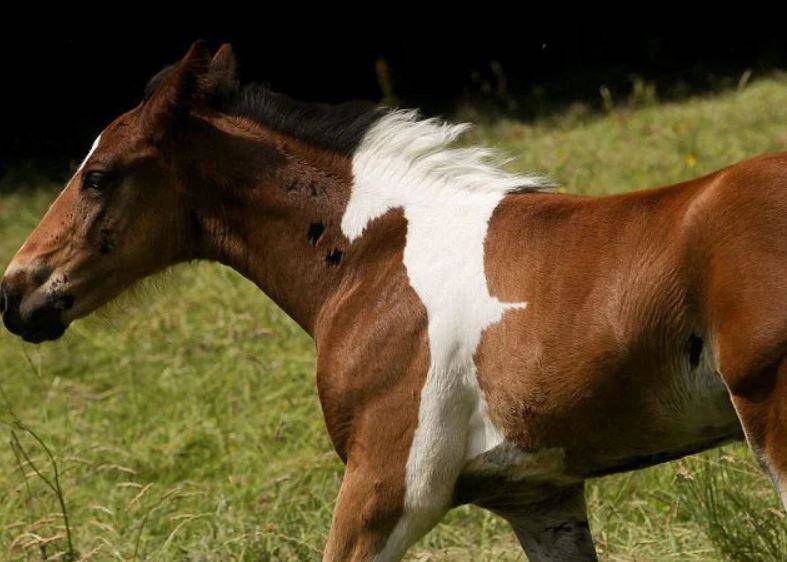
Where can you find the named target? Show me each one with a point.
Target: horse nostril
(40, 274)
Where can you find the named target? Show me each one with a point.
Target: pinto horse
(479, 338)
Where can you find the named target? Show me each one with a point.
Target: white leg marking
(448, 196)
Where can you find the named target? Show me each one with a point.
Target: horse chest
(444, 260)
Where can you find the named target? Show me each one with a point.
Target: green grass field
(187, 427)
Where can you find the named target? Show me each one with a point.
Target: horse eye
(95, 180)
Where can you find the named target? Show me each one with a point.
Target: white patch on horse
(93, 148)
(13, 267)
(448, 196)
(90, 153)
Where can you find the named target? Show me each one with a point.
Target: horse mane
(391, 140)
(339, 127)
(402, 148)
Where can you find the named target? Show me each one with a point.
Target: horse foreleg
(370, 521)
(384, 504)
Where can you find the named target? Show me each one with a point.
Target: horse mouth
(39, 335)
(34, 333)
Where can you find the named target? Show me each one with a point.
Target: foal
(478, 339)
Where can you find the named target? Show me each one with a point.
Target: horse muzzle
(29, 311)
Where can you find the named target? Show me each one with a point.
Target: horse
(480, 338)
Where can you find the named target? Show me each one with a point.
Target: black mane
(338, 127)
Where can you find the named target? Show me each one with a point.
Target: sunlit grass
(188, 427)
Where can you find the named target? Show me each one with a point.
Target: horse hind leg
(751, 346)
(743, 252)
(759, 394)
(555, 529)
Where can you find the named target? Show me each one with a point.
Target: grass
(189, 428)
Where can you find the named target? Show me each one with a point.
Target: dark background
(63, 85)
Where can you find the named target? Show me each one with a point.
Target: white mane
(402, 156)
(400, 137)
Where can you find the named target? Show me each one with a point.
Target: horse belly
(695, 415)
(690, 414)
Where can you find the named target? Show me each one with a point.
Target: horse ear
(182, 86)
(223, 73)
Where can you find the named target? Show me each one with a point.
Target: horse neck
(270, 207)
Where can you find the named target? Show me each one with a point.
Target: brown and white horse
(479, 340)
